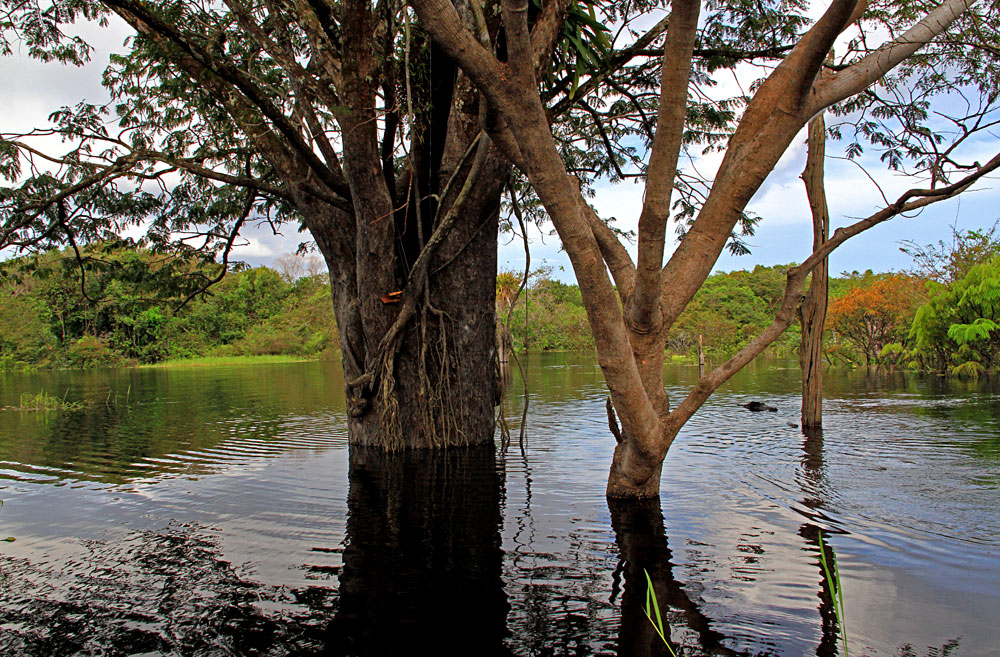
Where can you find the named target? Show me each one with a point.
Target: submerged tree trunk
(429, 396)
(812, 312)
(408, 345)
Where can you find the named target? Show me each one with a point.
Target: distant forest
(114, 306)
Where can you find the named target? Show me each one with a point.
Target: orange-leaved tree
(871, 316)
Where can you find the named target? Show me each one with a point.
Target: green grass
(42, 401)
(832, 575)
(217, 361)
(653, 613)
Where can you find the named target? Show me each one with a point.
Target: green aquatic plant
(830, 572)
(653, 613)
(42, 401)
(832, 575)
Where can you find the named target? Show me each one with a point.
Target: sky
(33, 90)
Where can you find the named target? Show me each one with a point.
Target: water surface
(217, 511)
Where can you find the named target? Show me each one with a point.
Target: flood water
(219, 511)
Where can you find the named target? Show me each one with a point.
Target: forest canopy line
(903, 320)
(390, 130)
(130, 315)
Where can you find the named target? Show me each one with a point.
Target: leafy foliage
(131, 315)
(873, 315)
(958, 329)
(731, 309)
(946, 262)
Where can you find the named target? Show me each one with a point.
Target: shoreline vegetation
(125, 307)
(222, 361)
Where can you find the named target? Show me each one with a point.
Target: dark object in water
(757, 406)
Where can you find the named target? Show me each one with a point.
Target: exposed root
(439, 404)
(613, 422)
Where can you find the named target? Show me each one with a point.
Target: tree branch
(866, 71)
(615, 62)
(644, 309)
(910, 200)
(444, 23)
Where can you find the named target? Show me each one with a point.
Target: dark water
(218, 511)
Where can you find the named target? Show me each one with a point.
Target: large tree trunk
(812, 313)
(437, 399)
(414, 280)
(433, 383)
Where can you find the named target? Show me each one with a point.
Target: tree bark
(812, 313)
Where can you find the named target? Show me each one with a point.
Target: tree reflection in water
(812, 483)
(642, 545)
(165, 592)
(423, 561)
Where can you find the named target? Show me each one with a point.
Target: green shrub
(89, 352)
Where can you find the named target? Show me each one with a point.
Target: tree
(509, 286)
(727, 312)
(871, 317)
(812, 312)
(293, 266)
(389, 134)
(342, 118)
(947, 263)
(957, 329)
(632, 311)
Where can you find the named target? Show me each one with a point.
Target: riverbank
(222, 361)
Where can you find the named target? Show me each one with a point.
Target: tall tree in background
(631, 311)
